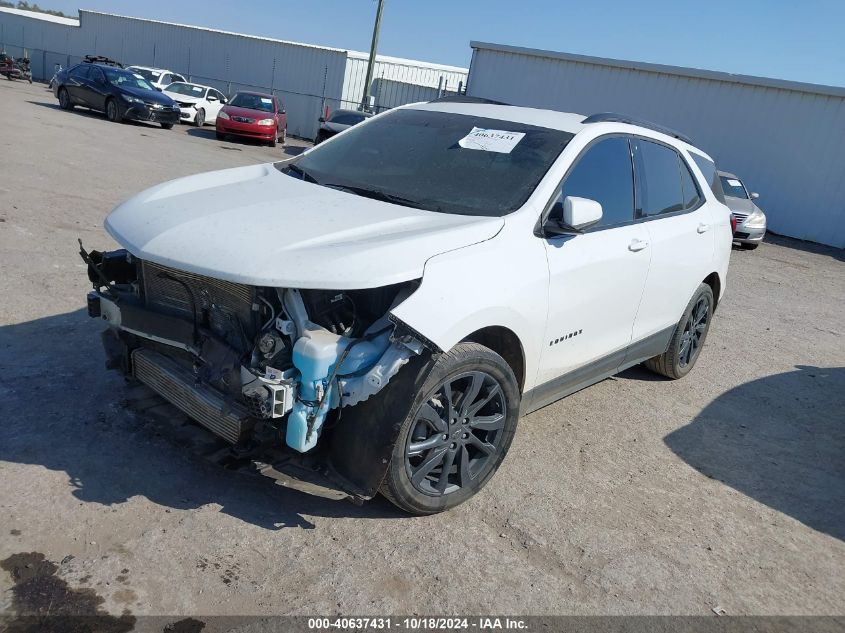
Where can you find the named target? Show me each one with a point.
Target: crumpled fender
(362, 442)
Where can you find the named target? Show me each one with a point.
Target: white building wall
(397, 72)
(785, 139)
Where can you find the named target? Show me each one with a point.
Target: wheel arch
(715, 284)
(506, 344)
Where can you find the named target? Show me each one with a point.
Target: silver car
(750, 219)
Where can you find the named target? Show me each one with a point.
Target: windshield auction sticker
(500, 141)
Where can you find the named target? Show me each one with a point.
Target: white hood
(258, 226)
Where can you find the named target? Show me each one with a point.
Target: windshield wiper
(301, 172)
(377, 194)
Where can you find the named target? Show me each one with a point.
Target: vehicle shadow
(781, 441)
(62, 410)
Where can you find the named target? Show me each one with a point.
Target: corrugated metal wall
(786, 140)
(400, 81)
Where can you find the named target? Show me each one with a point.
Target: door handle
(703, 228)
(637, 245)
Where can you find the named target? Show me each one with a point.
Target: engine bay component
(268, 396)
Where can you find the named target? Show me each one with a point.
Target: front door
(596, 277)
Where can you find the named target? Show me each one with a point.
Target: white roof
(565, 121)
(158, 70)
(37, 15)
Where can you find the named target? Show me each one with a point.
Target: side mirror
(580, 213)
(755, 195)
(211, 98)
(322, 119)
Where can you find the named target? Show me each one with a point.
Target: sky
(796, 40)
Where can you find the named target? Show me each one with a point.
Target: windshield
(733, 187)
(149, 75)
(192, 90)
(126, 79)
(252, 102)
(440, 161)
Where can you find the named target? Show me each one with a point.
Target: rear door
(75, 85)
(96, 89)
(672, 208)
(596, 278)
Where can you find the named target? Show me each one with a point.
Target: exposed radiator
(178, 386)
(227, 306)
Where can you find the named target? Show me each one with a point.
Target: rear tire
(688, 339)
(64, 99)
(458, 431)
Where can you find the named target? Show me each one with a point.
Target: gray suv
(750, 219)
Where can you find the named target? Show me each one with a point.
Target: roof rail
(466, 99)
(613, 117)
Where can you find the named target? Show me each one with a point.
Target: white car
(160, 78)
(378, 318)
(198, 104)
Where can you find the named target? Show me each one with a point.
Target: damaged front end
(293, 378)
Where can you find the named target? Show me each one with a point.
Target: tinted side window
(708, 168)
(80, 71)
(692, 195)
(659, 179)
(95, 74)
(603, 173)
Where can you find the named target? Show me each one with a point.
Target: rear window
(708, 168)
(346, 118)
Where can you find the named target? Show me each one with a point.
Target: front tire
(688, 339)
(167, 126)
(220, 136)
(457, 433)
(748, 247)
(112, 113)
(199, 119)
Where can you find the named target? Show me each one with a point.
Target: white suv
(379, 311)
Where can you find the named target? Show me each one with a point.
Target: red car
(253, 115)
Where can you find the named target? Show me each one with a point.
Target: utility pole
(365, 101)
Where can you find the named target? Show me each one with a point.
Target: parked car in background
(119, 93)
(253, 115)
(338, 121)
(198, 104)
(750, 219)
(160, 78)
(433, 273)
